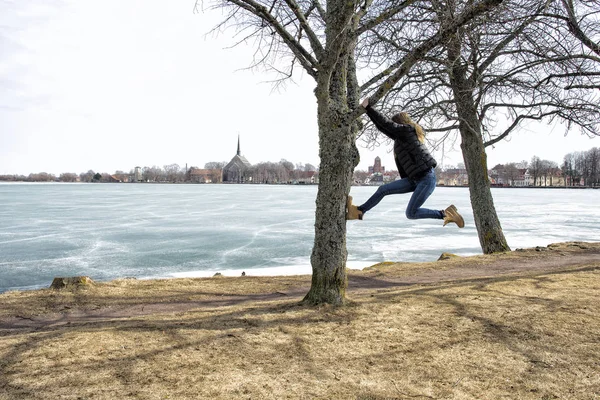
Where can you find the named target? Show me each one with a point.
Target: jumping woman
(416, 168)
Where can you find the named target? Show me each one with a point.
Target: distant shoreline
(286, 184)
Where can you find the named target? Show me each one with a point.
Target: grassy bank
(522, 325)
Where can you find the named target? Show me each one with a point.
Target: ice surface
(108, 231)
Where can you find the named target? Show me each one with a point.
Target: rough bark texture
(336, 96)
(339, 157)
(490, 233)
(328, 259)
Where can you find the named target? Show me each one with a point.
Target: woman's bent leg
(399, 186)
(423, 190)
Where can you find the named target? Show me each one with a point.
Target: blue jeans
(421, 189)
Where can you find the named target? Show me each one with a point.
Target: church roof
(239, 161)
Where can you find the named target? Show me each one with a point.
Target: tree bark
(339, 156)
(329, 254)
(490, 233)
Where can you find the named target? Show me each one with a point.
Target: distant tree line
(89, 176)
(583, 165)
(581, 168)
(264, 172)
(277, 172)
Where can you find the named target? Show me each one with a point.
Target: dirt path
(558, 258)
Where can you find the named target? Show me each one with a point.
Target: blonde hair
(403, 118)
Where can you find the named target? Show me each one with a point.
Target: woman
(416, 168)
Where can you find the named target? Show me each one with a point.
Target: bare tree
(13, 178)
(511, 173)
(535, 169)
(360, 176)
(288, 168)
(215, 165)
(67, 177)
(547, 169)
(594, 159)
(309, 167)
(515, 64)
(322, 40)
(41, 177)
(174, 173)
(153, 174)
(87, 176)
(569, 170)
(583, 165)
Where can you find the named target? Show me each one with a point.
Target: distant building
(453, 177)
(307, 177)
(551, 177)
(137, 174)
(375, 179)
(377, 168)
(115, 179)
(234, 171)
(198, 175)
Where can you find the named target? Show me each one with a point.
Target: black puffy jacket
(412, 157)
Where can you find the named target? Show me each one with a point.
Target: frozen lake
(107, 231)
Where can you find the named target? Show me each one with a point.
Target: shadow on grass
(230, 322)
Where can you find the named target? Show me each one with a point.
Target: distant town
(579, 169)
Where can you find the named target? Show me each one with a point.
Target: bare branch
(515, 123)
(384, 16)
(312, 37)
(403, 65)
(308, 62)
(576, 30)
(320, 8)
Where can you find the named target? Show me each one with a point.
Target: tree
(174, 173)
(41, 177)
(515, 64)
(97, 177)
(583, 165)
(511, 173)
(215, 165)
(360, 176)
(152, 174)
(535, 169)
(13, 178)
(547, 169)
(309, 167)
(288, 170)
(323, 40)
(67, 177)
(594, 159)
(568, 168)
(87, 176)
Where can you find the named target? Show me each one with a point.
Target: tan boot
(352, 212)
(453, 216)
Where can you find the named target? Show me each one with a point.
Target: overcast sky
(122, 83)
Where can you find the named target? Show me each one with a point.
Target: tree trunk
(339, 156)
(328, 259)
(488, 226)
(337, 96)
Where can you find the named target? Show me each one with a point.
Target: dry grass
(534, 336)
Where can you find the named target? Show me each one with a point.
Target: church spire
(238, 151)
